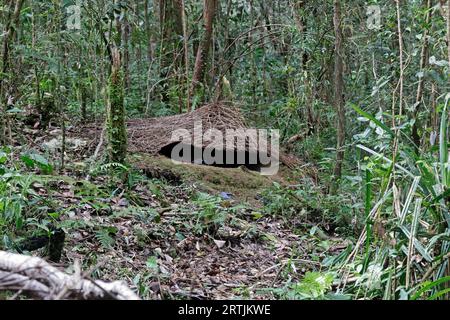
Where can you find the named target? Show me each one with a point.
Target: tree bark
(116, 125)
(117, 135)
(419, 94)
(339, 90)
(12, 25)
(186, 50)
(126, 51)
(171, 30)
(203, 49)
(148, 31)
(171, 25)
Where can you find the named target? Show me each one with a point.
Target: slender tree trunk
(402, 71)
(35, 68)
(171, 25)
(398, 114)
(171, 29)
(148, 31)
(12, 25)
(116, 125)
(126, 51)
(83, 97)
(10, 31)
(339, 90)
(448, 31)
(302, 26)
(186, 51)
(419, 94)
(204, 47)
(266, 7)
(117, 137)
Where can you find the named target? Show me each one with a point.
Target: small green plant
(112, 166)
(315, 285)
(32, 160)
(281, 201)
(211, 214)
(311, 203)
(106, 237)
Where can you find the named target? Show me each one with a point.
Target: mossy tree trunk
(116, 126)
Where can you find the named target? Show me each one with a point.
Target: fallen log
(36, 277)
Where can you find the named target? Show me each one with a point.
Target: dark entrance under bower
(194, 152)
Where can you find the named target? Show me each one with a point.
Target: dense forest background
(358, 90)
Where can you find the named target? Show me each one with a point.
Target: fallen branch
(35, 276)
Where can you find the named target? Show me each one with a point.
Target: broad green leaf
(373, 119)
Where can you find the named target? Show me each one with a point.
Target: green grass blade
(429, 287)
(443, 146)
(411, 192)
(414, 225)
(373, 119)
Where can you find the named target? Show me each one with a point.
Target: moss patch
(241, 182)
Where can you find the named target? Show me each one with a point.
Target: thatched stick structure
(155, 136)
(152, 135)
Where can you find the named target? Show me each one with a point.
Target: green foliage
(429, 286)
(116, 127)
(418, 179)
(32, 160)
(313, 286)
(309, 202)
(20, 205)
(106, 237)
(278, 200)
(395, 189)
(111, 167)
(211, 214)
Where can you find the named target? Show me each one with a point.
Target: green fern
(113, 165)
(313, 286)
(105, 237)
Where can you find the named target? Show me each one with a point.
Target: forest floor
(178, 231)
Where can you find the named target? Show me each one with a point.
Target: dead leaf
(220, 243)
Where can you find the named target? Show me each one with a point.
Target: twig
(433, 267)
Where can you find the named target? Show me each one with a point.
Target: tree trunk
(83, 94)
(12, 25)
(186, 51)
(419, 94)
(126, 51)
(117, 135)
(203, 49)
(171, 29)
(339, 90)
(116, 125)
(148, 31)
